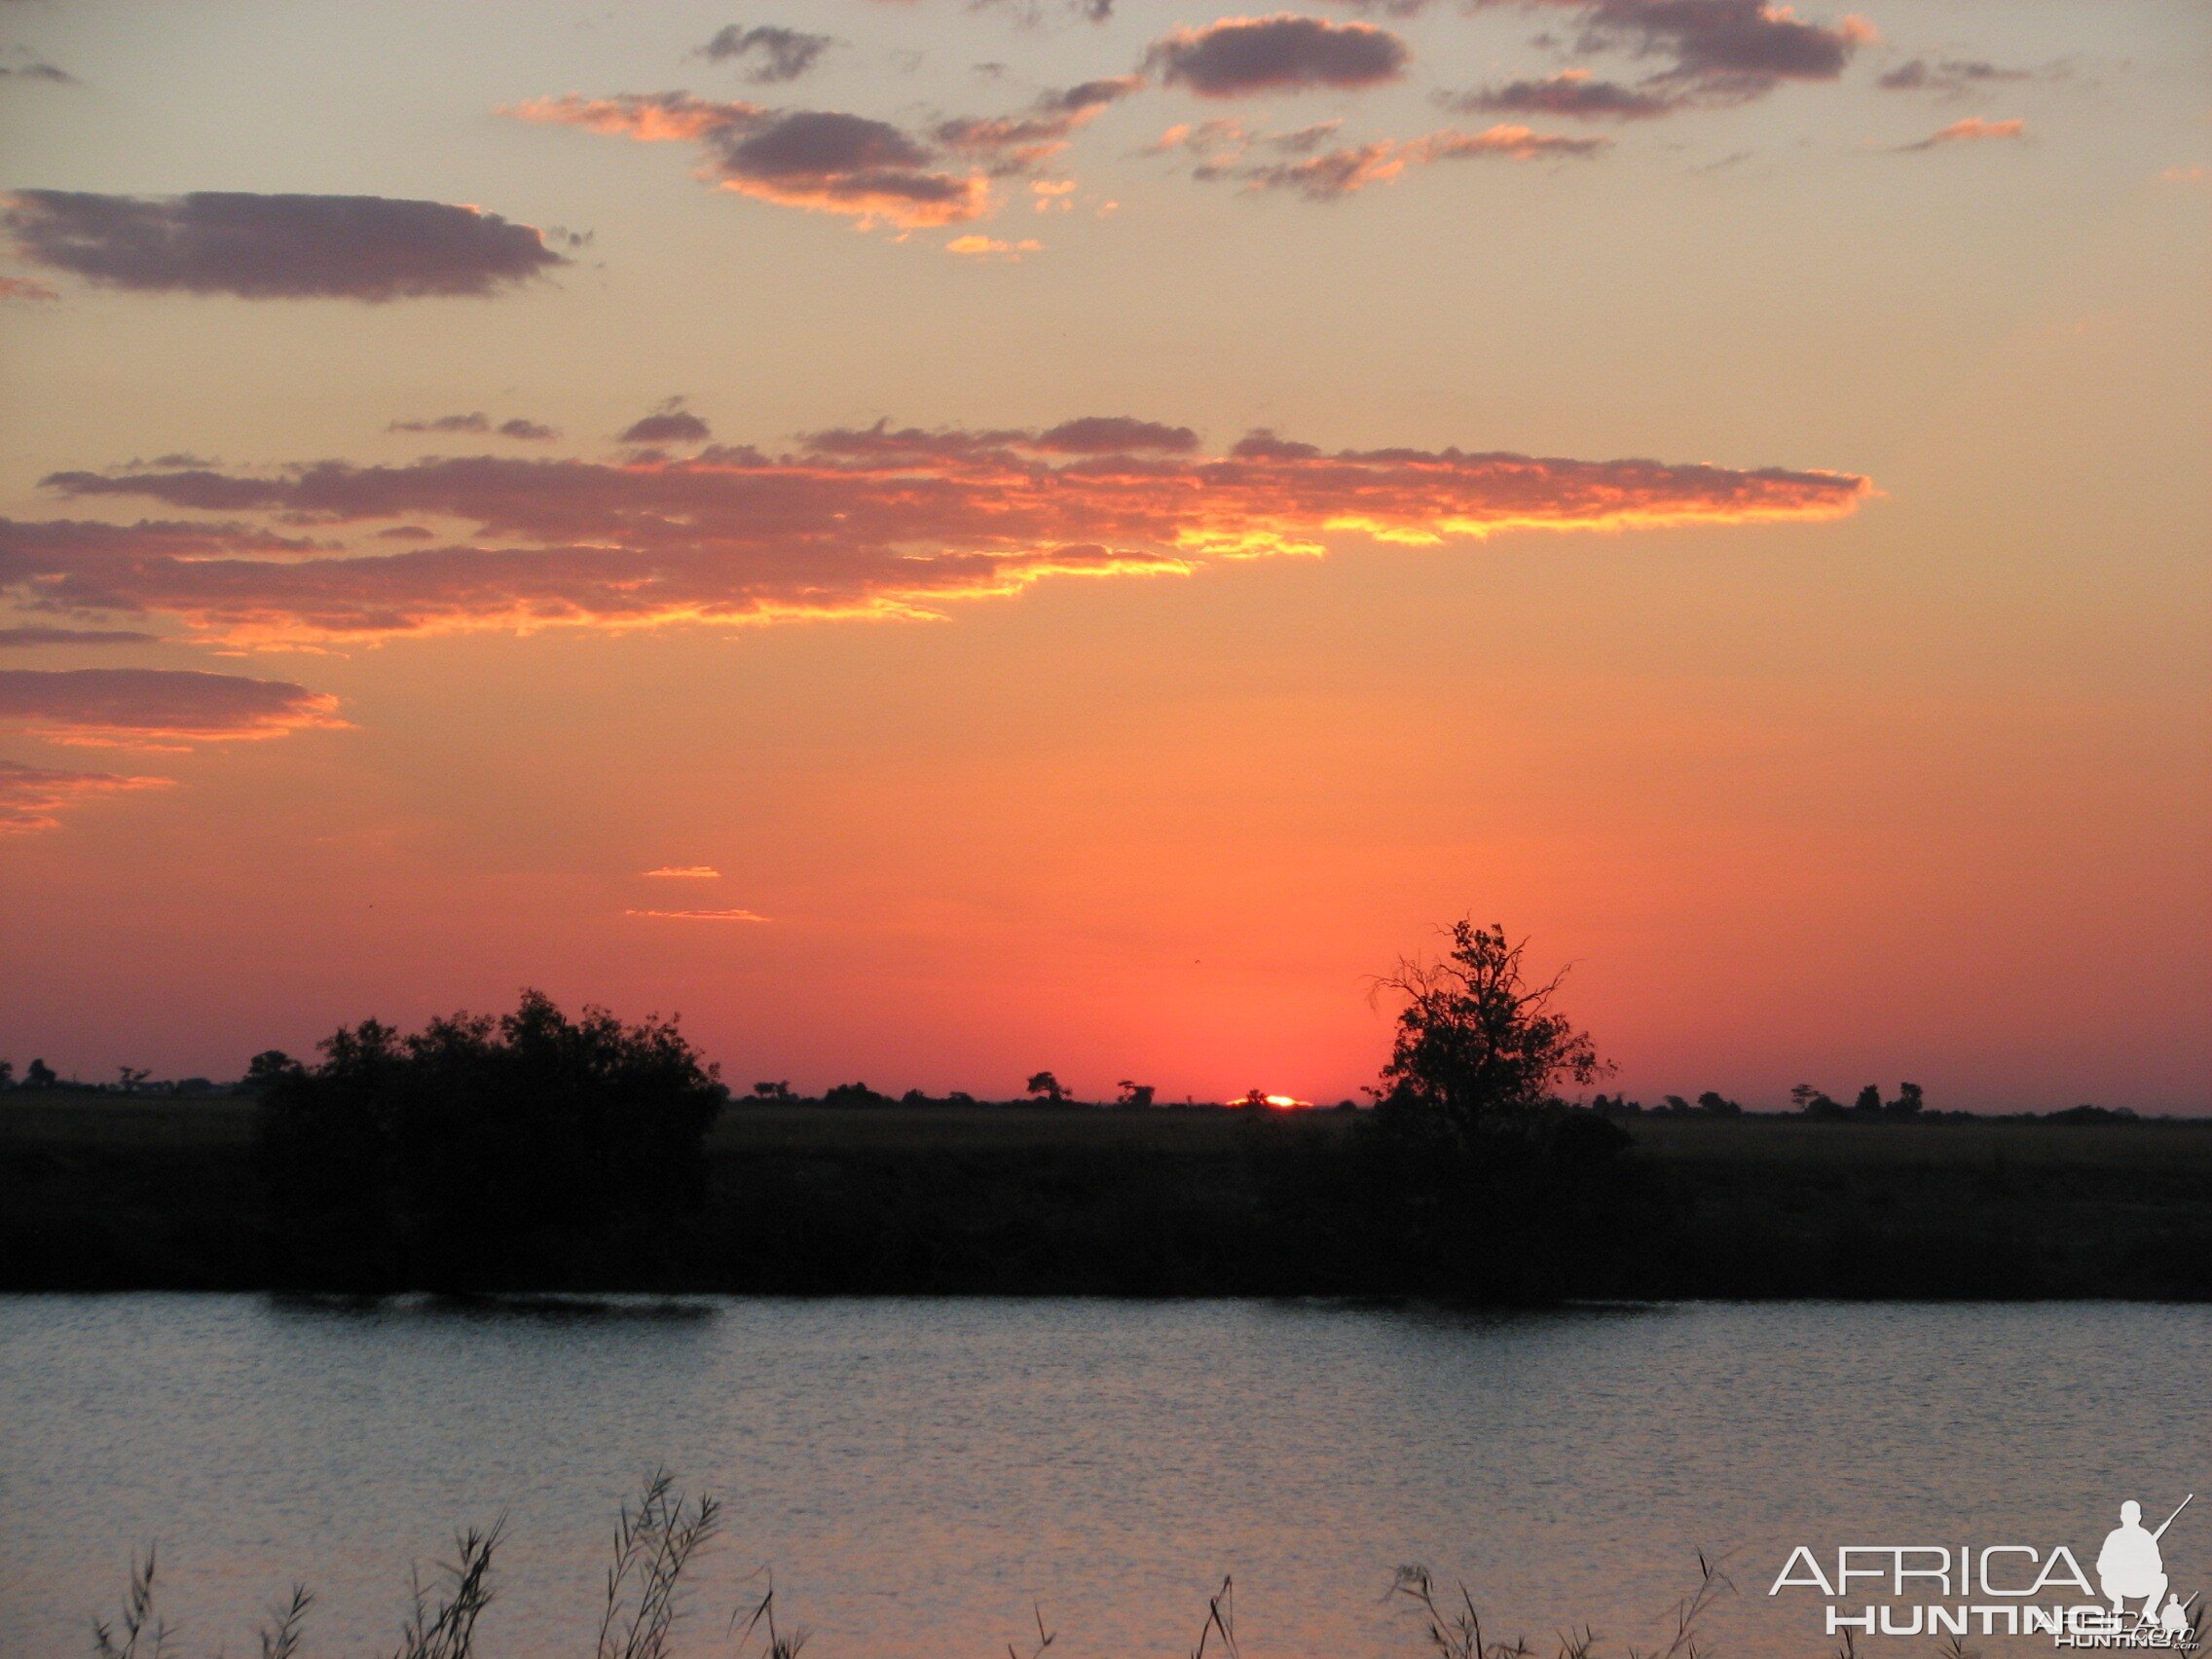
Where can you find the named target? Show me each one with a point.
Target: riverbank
(101, 1192)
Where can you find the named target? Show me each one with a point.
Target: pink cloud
(992, 248)
(34, 797)
(1969, 131)
(1340, 171)
(1009, 144)
(1284, 53)
(699, 915)
(823, 161)
(259, 248)
(868, 522)
(156, 707)
(1717, 53)
(1571, 93)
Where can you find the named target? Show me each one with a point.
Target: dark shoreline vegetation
(536, 1153)
(660, 1539)
(105, 1194)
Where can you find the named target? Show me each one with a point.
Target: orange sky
(1001, 541)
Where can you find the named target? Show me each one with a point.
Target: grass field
(2164, 1147)
(102, 1192)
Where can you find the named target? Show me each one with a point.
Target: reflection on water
(917, 1473)
(565, 1305)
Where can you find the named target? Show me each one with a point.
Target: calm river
(918, 1474)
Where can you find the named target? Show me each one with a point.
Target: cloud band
(870, 521)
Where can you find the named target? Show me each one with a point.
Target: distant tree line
(1044, 1088)
(1709, 1104)
(38, 1076)
(1909, 1104)
(536, 1151)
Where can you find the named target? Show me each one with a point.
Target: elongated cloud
(766, 52)
(1716, 52)
(670, 423)
(68, 539)
(155, 707)
(21, 63)
(857, 522)
(1949, 76)
(975, 247)
(685, 873)
(821, 160)
(34, 797)
(1968, 131)
(699, 915)
(1328, 174)
(1238, 57)
(1010, 144)
(260, 247)
(470, 424)
(1571, 93)
(1112, 435)
(477, 424)
(1724, 49)
(1307, 162)
(43, 636)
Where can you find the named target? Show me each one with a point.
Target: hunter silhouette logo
(2009, 1589)
(2130, 1568)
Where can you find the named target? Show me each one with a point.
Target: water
(918, 1474)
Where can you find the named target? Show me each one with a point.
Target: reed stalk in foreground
(138, 1623)
(660, 1536)
(1456, 1631)
(653, 1546)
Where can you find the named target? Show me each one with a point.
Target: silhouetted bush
(482, 1151)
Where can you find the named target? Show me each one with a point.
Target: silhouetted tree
(7, 1074)
(1718, 1105)
(773, 1092)
(1133, 1094)
(1489, 1181)
(478, 1150)
(1814, 1102)
(268, 1068)
(1907, 1105)
(39, 1075)
(1479, 1048)
(132, 1079)
(1044, 1086)
(852, 1095)
(1868, 1104)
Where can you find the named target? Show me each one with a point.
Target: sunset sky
(940, 539)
